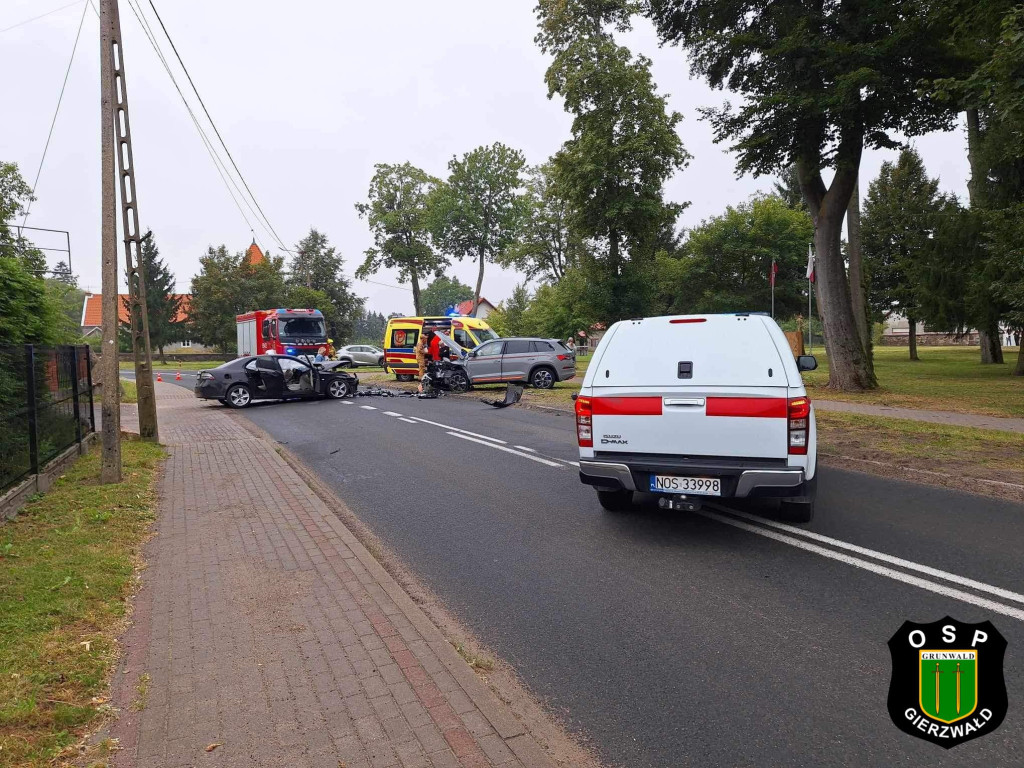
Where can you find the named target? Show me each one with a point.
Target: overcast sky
(308, 95)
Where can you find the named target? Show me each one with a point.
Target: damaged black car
(273, 377)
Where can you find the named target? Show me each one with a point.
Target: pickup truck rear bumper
(739, 479)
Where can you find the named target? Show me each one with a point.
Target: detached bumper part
(749, 482)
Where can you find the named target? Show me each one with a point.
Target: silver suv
(538, 362)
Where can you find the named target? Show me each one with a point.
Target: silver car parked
(361, 354)
(537, 362)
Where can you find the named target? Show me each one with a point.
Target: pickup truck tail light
(799, 425)
(584, 423)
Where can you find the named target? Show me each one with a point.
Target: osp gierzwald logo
(947, 680)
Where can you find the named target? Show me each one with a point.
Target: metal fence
(46, 406)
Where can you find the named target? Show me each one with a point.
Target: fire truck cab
(281, 331)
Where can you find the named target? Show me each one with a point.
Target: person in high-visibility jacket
(423, 353)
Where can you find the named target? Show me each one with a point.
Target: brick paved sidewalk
(263, 626)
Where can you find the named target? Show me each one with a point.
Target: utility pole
(111, 408)
(135, 268)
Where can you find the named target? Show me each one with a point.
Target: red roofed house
(92, 318)
(92, 311)
(483, 309)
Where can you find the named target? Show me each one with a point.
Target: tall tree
(228, 285)
(443, 292)
(855, 262)
(547, 246)
(898, 225)
(317, 266)
(990, 35)
(370, 327)
(15, 195)
(788, 188)
(398, 215)
(509, 318)
(819, 82)
(478, 212)
(162, 303)
(624, 147)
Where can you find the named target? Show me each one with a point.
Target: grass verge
(129, 392)
(944, 379)
(66, 571)
(965, 452)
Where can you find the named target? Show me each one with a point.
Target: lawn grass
(66, 569)
(944, 379)
(957, 451)
(129, 392)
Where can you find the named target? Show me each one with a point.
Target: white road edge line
(906, 578)
(463, 431)
(538, 459)
(524, 448)
(963, 581)
(407, 421)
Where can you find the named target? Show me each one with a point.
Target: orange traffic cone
(159, 377)
(177, 376)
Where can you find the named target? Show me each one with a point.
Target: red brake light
(799, 425)
(584, 423)
(689, 320)
(563, 357)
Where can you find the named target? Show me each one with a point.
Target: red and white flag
(773, 273)
(810, 264)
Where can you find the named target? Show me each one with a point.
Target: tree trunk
(415, 290)
(912, 336)
(479, 284)
(848, 364)
(976, 184)
(991, 346)
(1019, 370)
(856, 269)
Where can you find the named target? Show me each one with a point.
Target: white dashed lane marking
(538, 459)
(407, 421)
(391, 413)
(524, 448)
(367, 407)
(461, 431)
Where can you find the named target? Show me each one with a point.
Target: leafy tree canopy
(443, 292)
(478, 213)
(725, 263)
(15, 195)
(397, 213)
(317, 266)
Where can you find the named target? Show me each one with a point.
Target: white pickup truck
(696, 406)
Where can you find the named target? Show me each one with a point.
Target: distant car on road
(690, 407)
(273, 377)
(361, 354)
(534, 361)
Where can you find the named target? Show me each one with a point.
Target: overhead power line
(214, 125)
(60, 100)
(219, 165)
(36, 18)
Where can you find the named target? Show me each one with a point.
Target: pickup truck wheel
(796, 511)
(616, 501)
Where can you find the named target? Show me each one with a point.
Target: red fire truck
(285, 331)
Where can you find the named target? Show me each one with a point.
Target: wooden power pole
(111, 409)
(134, 266)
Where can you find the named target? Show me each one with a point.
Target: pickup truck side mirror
(806, 363)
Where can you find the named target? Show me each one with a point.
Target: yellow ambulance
(402, 333)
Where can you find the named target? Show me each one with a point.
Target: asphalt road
(670, 639)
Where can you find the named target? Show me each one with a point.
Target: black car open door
(270, 375)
